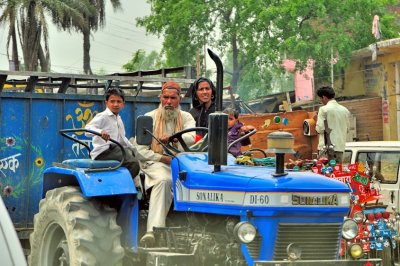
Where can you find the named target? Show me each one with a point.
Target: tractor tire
(72, 230)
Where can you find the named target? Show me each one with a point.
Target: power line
(131, 40)
(130, 30)
(114, 47)
(105, 61)
(126, 22)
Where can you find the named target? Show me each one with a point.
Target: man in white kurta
(168, 119)
(337, 117)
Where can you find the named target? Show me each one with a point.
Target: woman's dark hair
(114, 91)
(326, 91)
(195, 85)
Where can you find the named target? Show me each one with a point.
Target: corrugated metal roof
(384, 47)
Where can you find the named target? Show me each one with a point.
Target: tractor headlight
(349, 229)
(355, 251)
(245, 232)
(358, 216)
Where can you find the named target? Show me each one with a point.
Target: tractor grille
(317, 241)
(254, 247)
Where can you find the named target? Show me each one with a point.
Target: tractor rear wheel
(72, 230)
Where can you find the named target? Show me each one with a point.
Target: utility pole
(205, 55)
(198, 70)
(332, 67)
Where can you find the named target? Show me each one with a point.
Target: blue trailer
(34, 106)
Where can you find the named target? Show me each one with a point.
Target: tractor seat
(89, 163)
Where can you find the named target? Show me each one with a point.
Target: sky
(111, 47)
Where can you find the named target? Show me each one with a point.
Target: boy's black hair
(114, 91)
(326, 91)
(231, 111)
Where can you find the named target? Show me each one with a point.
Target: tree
(93, 19)
(33, 29)
(141, 61)
(9, 16)
(263, 32)
(258, 80)
(29, 17)
(317, 30)
(92, 23)
(189, 25)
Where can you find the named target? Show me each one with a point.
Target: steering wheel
(178, 137)
(65, 132)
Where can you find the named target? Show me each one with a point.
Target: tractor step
(169, 258)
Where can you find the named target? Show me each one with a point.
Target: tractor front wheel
(72, 230)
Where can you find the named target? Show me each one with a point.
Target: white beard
(169, 115)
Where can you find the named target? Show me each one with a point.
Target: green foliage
(141, 61)
(258, 34)
(253, 81)
(257, 80)
(184, 26)
(315, 29)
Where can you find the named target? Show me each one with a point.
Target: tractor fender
(92, 184)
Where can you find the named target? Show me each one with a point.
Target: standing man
(332, 124)
(168, 119)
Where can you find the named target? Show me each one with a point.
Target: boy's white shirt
(113, 125)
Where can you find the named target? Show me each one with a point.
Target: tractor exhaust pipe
(218, 123)
(220, 79)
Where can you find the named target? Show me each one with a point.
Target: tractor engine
(209, 237)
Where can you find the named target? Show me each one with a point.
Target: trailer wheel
(72, 230)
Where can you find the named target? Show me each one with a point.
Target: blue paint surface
(30, 142)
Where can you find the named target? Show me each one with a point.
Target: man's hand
(105, 135)
(246, 129)
(166, 159)
(327, 129)
(164, 139)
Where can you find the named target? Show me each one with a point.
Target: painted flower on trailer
(39, 161)
(7, 191)
(10, 141)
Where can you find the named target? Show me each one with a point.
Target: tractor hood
(195, 185)
(236, 177)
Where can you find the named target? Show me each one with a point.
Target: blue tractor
(91, 212)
